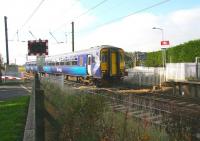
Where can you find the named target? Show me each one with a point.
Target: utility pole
(6, 37)
(72, 36)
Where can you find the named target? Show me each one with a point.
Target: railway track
(143, 104)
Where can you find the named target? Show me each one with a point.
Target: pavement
(10, 91)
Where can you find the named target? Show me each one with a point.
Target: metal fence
(149, 76)
(181, 71)
(145, 76)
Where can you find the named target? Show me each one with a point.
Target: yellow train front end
(112, 63)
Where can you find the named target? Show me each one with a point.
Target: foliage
(181, 53)
(13, 118)
(80, 114)
(154, 59)
(132, 59)
(87, 117)
(129, 59)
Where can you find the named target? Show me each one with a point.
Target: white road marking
(25, 88)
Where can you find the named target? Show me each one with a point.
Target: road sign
(164, 43)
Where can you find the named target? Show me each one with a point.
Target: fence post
(179, 89)
(139, 79)
(39, 107)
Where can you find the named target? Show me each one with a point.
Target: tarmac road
(7, 92)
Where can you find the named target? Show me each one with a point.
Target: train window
(104, 57)
(62, 63)
(93, 60)
(81, 61)
(89, 60)
(67, 63)
(121, 56)
(57, 63)
(74, 62)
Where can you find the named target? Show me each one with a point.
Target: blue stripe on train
(70, 70)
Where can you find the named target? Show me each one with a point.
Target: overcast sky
(179, 19)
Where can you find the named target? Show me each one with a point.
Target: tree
(129, 59)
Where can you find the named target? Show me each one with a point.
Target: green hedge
(181, 53)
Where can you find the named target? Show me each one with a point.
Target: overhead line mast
(6, 37)
(72, 36)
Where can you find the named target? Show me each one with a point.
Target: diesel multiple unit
(96, 64)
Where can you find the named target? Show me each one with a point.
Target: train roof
(96, 48)
(61, 56)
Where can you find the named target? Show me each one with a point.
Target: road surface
(7, 92)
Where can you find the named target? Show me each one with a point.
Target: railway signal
(37, 47)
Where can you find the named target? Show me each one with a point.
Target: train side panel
(75, 67)
(99, 63)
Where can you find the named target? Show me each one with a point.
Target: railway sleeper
(155, 117)
(123, 108)
(182, 103)
(136, 112)
(139, 114)
(118, 106)
(191, 105)
(157, 122)
(143, 115)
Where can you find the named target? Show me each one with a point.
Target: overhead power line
(85, 12)
(55, 38)
(29, 18)
(136, 12)
(33, 13)
(32, 35)
(92, 8)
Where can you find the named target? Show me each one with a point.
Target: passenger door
(89, 64)
(113, 63)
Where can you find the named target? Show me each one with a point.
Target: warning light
(37, 47)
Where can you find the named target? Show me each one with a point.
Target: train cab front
(112, 63)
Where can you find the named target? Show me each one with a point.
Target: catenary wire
(84, 13)
(33, 13)
(136, 12)
(29, 18)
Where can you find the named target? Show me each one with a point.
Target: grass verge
(13, 114)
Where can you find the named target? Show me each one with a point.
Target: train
(97, 64)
